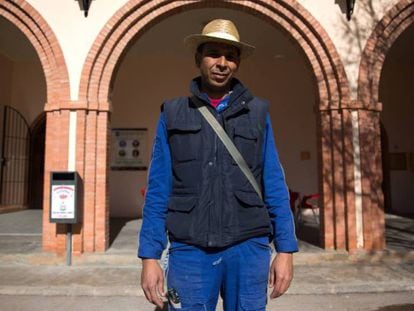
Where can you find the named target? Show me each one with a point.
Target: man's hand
(281, 274)
(152, 281)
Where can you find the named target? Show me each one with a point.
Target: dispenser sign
(63, 202)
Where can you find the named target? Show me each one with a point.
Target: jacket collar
(239, 96)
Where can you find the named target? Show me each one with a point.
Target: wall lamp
(84, 6)
(349, 8)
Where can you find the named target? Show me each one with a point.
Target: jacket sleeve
(153, 235)
(276, 196)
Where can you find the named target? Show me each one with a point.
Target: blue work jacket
(164, 209)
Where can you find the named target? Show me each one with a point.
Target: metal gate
(14, 161)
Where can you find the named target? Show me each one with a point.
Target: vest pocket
(253, 216)
(185, 141)
(182, 203)
(248, 198)
(179, 216)
(245, 139)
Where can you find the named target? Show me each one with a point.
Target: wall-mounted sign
(65, 189)
(129, 149)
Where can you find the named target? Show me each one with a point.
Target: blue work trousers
(238, 273)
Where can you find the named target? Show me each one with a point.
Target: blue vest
(212, 203)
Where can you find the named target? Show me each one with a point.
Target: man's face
(218, 62)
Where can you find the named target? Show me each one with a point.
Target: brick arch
(38, 32)
(136, 16)
(395, 21)
(392, 25)
(332, 87)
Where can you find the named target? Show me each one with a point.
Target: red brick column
(89, 180)
(349, 179)
(371, 169)
(92, 233)
(338, 196)
(78, 229)
(56, 152)
(326, 165)
(102, 168)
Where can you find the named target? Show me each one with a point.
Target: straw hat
(219, 30)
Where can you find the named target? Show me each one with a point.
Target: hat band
(222, 35)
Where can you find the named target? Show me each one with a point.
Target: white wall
(74, 32)
(349, 37)
(154, 70)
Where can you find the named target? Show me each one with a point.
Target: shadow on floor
(309, 233)
(405, 307)
(21, 232)
(116, 226)
(399, 232)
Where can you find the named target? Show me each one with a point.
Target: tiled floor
(21, 232)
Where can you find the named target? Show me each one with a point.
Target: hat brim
(194, 41)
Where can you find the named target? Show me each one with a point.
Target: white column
(72, 141)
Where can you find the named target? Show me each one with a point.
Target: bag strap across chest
(228, 143)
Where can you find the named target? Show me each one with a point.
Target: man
(217, 224)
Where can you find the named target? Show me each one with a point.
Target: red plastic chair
(309, 202)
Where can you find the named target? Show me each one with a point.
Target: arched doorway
(336, 183)
(396, 95)
(384, 63)
(22, 97)
(148, 74)
(41, 79)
